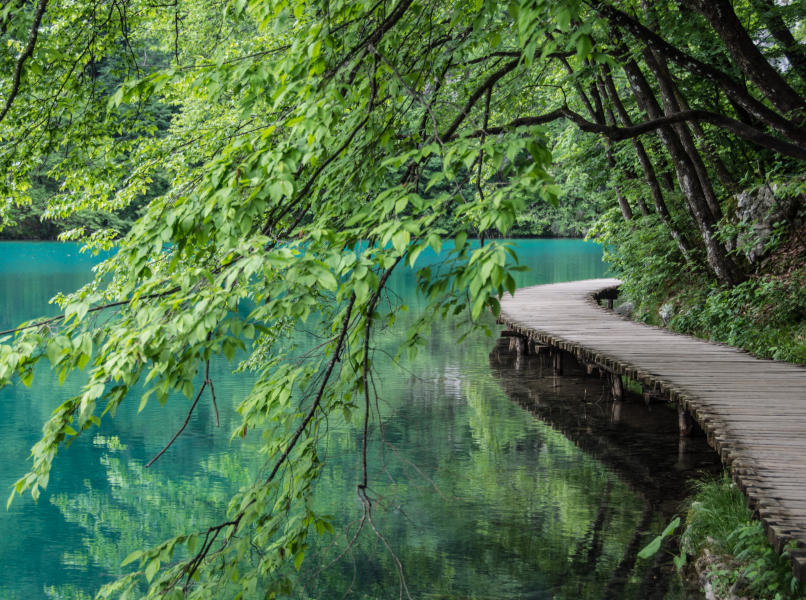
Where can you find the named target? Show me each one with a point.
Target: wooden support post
(558, 362)
(684, 421)
(616, 387)
(521, 347)
(615, 414)
(610, 303)
(683, 457)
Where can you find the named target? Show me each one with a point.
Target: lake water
(498, 480)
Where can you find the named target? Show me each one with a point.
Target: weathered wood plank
(752, 410)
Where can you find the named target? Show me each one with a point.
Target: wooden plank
(753, 410)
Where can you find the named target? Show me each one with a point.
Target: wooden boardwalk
(753, 411)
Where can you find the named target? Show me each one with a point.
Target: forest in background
(293, 154)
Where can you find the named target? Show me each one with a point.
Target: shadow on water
(638, 441)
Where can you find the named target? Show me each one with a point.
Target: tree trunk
(610, 119)
(733, 89)
(793, 51)
(648, 169)
(722, 173)
(670, 106)
(718, 259)
(740, 46)
(596, 112)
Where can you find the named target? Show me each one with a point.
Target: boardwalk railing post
(615, 415)
(522, 349)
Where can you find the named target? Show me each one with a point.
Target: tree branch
(91, 310)
(488, 83)
(318, 399)
(182, 428)
(623, 133)
(26, 54)
(732, 88)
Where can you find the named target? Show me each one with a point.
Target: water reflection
(637, 441)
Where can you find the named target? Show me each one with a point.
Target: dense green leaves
(296, 151)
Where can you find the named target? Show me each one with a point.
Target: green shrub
(644, 257)
(718, 519)
(766, 316)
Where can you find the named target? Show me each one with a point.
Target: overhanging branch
(732, 88)
(623, 133)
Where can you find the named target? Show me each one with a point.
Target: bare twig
(209, 382)
(182, 428)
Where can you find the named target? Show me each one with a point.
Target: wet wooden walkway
(753, 411)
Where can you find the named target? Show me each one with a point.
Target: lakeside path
(752, 410)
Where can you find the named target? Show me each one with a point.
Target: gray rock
(757, 212)
(666, 311)
(626, 309)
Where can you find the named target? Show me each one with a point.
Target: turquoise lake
(483, 496)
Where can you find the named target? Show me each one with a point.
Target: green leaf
(53, 352)
(328, 281)
(584, 46)
(563, 18)
(152, 568)
(401, 240)
(132, 557)
(673, 524)
(651, 548)
(459, 241)
(83, 360)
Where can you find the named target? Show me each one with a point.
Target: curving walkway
(753, 411)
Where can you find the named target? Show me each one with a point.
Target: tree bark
(667, 88)
(733, 89)
(596, 113)
(794, 52)
(718, 259)
(722, 172)
(649, 171)
(610, 119)
(740, 46)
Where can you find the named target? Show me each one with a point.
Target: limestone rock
(626, 309)
(757, 211)
(666, 311)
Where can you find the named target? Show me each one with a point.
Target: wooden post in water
(558, 362)
(615, 414)
(684, 421)
(522, 349)
(616, 387)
